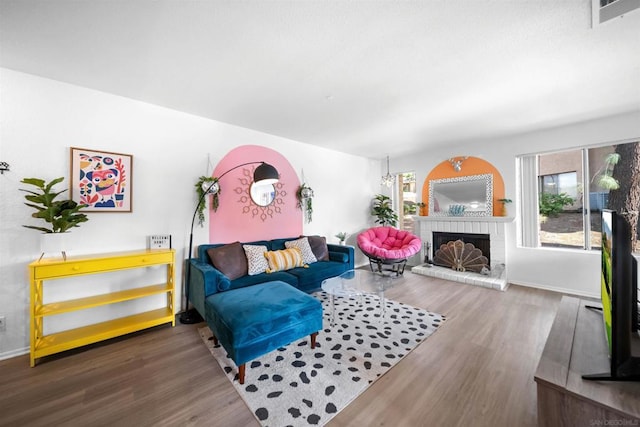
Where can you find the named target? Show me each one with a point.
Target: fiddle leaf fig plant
(61, 215)
(383, 211)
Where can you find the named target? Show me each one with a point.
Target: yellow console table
(54, 268)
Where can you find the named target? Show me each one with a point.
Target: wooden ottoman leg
(241, 374)
(313, 339)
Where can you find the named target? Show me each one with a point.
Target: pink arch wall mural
(238, 218)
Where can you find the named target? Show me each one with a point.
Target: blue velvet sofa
(255, 299)
(207, 280)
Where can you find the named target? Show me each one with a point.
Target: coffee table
(356, 283)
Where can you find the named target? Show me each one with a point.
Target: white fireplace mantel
(463, 218)
(494, 226)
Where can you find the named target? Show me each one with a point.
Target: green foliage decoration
(342, 236)
(383, 211)
(304, 195)
(62, 215)
(552, 204)
(605, 177)
(206, 181)
(410, 208)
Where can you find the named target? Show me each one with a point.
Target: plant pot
(51, 243)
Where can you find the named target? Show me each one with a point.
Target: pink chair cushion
(388, 243)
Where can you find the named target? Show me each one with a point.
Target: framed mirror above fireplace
(470, 195)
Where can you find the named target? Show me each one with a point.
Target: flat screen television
(618, 292)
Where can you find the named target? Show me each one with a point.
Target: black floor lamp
(264, 174)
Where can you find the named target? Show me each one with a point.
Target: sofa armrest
(342, 253)
(205, 280)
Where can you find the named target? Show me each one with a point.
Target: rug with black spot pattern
(298, 386)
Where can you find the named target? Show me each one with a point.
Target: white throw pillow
(256, 262)
(303, 244)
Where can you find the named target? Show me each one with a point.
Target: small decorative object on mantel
(342, 236)
(305, 201)
(456, 210)
(422, 209)
(207, 183)
(504, 202)
(61, 214)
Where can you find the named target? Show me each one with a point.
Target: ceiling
(370, 78)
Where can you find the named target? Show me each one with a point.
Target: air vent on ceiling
(605, 10)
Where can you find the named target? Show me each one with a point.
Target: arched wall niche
(470, 166)
(238, 218)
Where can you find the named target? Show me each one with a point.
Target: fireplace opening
(480, 241)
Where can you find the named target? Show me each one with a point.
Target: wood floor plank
(477, 369)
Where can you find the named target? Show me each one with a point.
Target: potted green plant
(383, 211)
(204, 183)
(504, 202)
(305, 201)
(60, 215)
(342, 236)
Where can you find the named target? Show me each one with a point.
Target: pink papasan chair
(388, 246)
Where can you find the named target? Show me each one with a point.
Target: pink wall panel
(238, 218)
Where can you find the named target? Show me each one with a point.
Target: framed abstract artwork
(101, 180)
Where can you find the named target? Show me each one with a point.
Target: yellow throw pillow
(284, 259)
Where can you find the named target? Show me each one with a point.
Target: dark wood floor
(477, 369)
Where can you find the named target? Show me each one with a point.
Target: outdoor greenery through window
(572, 187)
(406, 197)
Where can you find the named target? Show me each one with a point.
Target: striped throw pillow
(284, 259)
(305, 248)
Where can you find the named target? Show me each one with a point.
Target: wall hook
(4, 166)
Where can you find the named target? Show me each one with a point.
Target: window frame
(528, 176)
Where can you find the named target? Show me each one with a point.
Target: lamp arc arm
(208, 191)
(186, 318)
(239, 166)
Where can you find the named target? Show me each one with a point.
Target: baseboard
(14, 353)
(556, 289)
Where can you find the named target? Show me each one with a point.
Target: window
(406, 205)
(559, 183)
(563, 194)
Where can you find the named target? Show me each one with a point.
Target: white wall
(571, 271)
(41, 119)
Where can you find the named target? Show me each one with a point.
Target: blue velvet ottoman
(255, 320)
